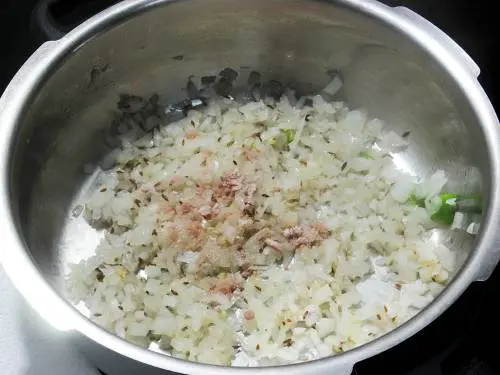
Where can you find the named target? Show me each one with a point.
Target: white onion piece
(334, 86)
(402, 190)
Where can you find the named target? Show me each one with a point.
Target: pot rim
(28, 279)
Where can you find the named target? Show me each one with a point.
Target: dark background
(463, 340)
(15, 34)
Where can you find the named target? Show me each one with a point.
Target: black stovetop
(457, 343)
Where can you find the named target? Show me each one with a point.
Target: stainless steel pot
(55, 111)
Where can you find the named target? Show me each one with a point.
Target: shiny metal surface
(57, 113)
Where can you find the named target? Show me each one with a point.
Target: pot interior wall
(62, 134)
